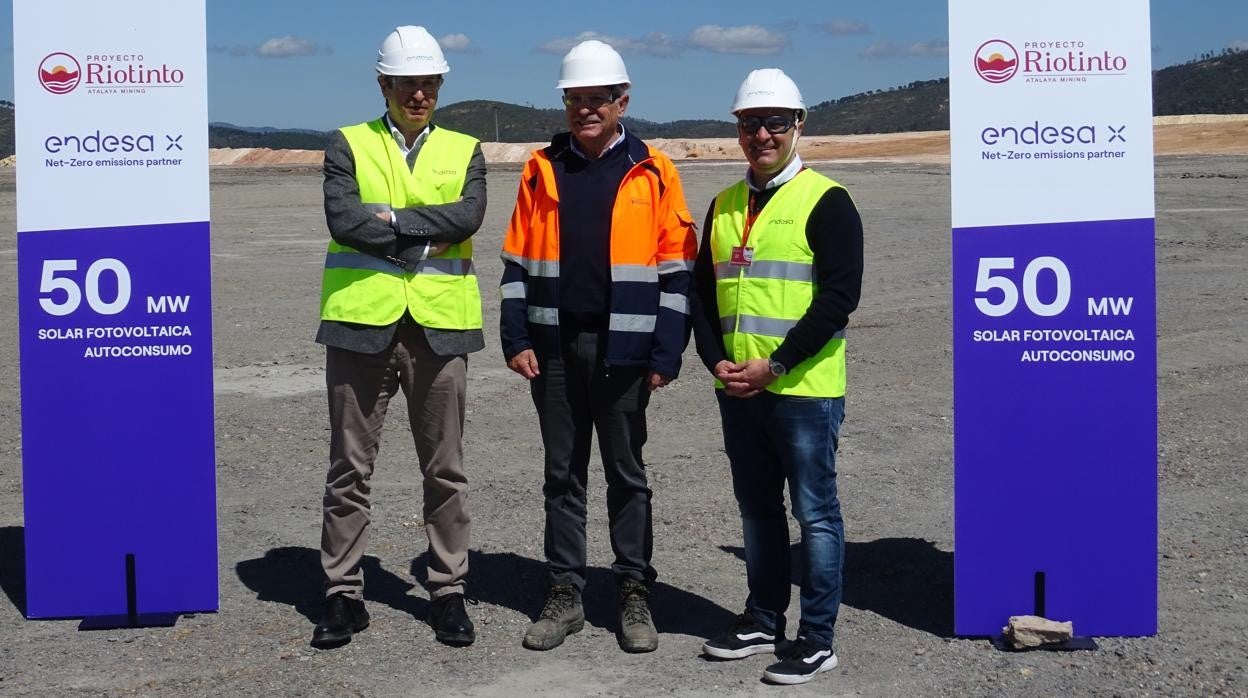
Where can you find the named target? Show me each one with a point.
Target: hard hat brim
(597, 82)
(405, 71)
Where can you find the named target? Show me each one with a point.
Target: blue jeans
(771, 439)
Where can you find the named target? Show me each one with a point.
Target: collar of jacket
(561, 147)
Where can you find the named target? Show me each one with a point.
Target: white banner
(1054, 112)
(111, 106)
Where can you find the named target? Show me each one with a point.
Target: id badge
(742, 256)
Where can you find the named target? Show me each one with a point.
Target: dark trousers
(574, 396)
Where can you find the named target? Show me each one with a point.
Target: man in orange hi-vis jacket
(595, 313)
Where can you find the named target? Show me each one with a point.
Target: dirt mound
(1228, 137)
(263, 156)
(1216, 134)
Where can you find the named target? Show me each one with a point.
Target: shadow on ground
(13, 565)
(292, 576)
(907, 580)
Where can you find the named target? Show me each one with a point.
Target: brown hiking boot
(562, 615)
(637, 633)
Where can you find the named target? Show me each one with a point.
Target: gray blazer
(351, 224)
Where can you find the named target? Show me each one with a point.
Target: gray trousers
(360, 387)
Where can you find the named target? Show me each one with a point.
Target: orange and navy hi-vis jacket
(653, 245)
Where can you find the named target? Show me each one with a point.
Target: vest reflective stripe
(634, 272)
(433, 265)
(674, 265)
(754, 324)
(439, 292)
(543, 316)
(355, 260)
(535, 267)
(621, 322)
(446, 267)
(793, 271)
(761, 303)
(675, 301)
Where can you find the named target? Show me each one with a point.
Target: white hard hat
(768, 87)
(590, 64)
(411, 51)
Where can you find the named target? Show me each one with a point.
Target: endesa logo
(996, 61)
(59, 73)
(121, 73)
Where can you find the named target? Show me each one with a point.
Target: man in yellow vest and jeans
(400, 310)
(777, 275)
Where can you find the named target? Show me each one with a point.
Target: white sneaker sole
(792, 679)
(722, 653)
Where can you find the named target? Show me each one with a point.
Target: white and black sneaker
(800, 662)
(746, 637)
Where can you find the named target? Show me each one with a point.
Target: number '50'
(986, 281)
(49, 282)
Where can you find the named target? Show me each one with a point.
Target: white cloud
(457, 43)
(843, 27)
(750, 39)
(288, 46)
(889, 49)
(654, 44)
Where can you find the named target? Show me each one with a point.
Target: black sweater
(834, 232)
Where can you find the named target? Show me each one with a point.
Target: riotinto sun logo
(1047, 61)
(111, 73)
(996, 61)
(59, 73)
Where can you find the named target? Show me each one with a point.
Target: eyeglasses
(775, 124)
(429, 86)
(593, 102)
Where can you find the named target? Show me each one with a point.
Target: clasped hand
(745, 379)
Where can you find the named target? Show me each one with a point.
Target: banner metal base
(140, 620)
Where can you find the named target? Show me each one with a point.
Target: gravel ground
(895, 630)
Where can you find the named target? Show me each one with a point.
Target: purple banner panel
(117, 419)
(1055, 441)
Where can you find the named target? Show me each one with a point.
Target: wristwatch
(777, 369)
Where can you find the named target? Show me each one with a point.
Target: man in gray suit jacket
(400, 310)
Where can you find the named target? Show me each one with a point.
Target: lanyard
(751, 215)
(743, 254)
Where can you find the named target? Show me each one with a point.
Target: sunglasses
(775, 124)
(593, 102)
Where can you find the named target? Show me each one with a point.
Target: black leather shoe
(344, 616)
(450, 621)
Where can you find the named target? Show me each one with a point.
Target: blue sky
(310, 64)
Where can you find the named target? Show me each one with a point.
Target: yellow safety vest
(442, 291)
(761, 302)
